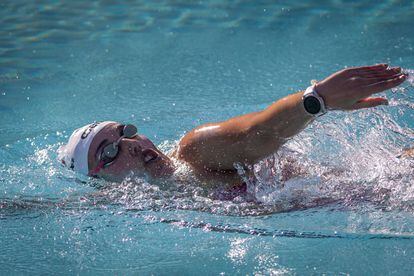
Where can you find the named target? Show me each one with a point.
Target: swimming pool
(168, 67)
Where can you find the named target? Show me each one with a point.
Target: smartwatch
(312, 102)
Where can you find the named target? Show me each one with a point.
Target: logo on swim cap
(88, 130)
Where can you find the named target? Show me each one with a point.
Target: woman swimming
(112, 151)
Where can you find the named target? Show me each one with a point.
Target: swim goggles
(110, 151)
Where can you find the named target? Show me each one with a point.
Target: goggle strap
(97, 168)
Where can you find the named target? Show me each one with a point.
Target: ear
(149, 155)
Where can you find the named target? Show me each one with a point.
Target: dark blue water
(168, 67)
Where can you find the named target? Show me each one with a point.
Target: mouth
(150, 155)
(149, 158)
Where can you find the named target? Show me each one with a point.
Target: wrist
(313, 102)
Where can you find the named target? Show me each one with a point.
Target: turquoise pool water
(168, 66)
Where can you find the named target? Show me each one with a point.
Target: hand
(352, 88)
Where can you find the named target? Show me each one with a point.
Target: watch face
(312, 105)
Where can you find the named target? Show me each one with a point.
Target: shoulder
(201, 147)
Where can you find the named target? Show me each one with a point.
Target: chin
(121, 176)
(162, 171)
(156, 170)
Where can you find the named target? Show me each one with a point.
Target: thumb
(369, 102)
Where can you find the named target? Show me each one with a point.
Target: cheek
(124, 163)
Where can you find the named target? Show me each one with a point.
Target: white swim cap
(74, 154)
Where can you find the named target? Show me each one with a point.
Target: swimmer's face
(137, 155)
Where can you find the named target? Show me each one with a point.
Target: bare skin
(213, 149)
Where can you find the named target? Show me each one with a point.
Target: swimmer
(112, 151)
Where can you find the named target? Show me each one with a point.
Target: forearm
(283, 119)
(270, 128)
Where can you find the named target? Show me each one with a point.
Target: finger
(374, 71)
(387, 72)
(376, 79)
(383, 85)
(371, 67)
(364, 69)
(384, 76)
(369, 102)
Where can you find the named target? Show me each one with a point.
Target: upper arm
(211, 146)
(217, 146)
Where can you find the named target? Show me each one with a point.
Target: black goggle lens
(129, 131)
(111, 151)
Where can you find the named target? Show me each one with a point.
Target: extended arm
(251, 137)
